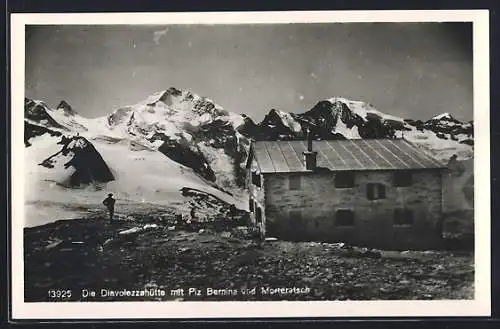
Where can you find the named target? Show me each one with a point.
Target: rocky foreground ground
(151, 257)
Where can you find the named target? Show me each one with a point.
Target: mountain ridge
(185, 124)
(182, 139)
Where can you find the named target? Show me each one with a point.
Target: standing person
(193, 213)
(109, 202)
(193, 224)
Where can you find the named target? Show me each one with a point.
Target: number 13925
(59, 294)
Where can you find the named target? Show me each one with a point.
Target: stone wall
(256, 196)
(318, 199)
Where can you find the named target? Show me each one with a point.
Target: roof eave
(325, 170)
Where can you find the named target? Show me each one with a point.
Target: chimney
(310, 155)
(309, 141)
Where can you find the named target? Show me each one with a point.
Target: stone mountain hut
(381, 193)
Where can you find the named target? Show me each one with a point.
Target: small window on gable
(294, 182)
(403, 178)
(256, 180)
(375, 191)
(344, 217)
(403, 217)
(344, 179)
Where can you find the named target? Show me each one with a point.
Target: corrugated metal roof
(351, 154)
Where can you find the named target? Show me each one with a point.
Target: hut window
(256, 179)
(344, 217)
(250, 205)
(294, 182)
(375, 191)
(403, 178)
(403, 217)
(344, 179)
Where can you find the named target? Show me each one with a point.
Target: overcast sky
(409, 70)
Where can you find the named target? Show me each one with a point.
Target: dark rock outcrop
(37, 112)
(185, 155)
(84, 158)
(32, 130)
(272, 127)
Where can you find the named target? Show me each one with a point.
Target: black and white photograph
(321, 160)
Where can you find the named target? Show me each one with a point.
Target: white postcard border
(480, 306)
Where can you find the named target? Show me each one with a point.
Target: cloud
(159, 34)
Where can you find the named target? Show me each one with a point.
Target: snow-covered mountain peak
(143, 153)
(364, 110)
(77, 143)
(441, 116)
(66, 108)
(287, 119)
(447, 119)
(340, 118)
(182, 100)
(170, 112)
(35, 109)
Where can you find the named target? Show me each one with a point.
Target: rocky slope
(86, 163)
(142, 253)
